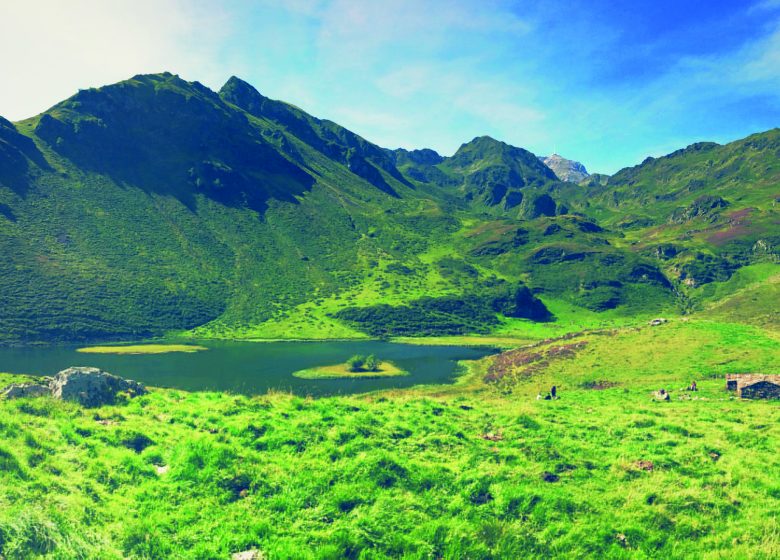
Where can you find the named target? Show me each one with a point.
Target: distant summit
(566, 169)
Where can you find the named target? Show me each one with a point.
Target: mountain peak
(566, 169)
(484, 141)
(242, 94)
(235, 83)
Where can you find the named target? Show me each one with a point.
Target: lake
(252, 367)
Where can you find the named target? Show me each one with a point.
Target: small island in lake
(356, 367)
(142, 349)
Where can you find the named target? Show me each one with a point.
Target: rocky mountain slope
(566, 169)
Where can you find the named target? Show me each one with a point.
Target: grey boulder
(25, 390)
(90, 386)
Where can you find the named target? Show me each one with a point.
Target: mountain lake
(252, 368)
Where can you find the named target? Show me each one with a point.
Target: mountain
(566, 169)
(156, 205)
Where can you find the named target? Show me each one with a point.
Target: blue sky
(604, 82)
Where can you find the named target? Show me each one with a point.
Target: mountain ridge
(156, 206)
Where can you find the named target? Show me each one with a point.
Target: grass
(491, 341)
(341, 371)
(477, 469)
(142, 349)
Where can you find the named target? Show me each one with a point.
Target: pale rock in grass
(25, 390)
(253, 554)
(90, 386)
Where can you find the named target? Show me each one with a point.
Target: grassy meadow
(142, 349)
(156, 209)
(476, 469)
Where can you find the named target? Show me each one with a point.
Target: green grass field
(157, 209)
(478, 469)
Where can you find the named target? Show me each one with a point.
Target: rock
(550, 477)
(253, 554)
(566, 169)
(90, 386)
(658, 321)
(644, 465)
(25, 390)
(704, 206)
(537, 205)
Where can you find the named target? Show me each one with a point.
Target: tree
(372, 364)
(355, 363)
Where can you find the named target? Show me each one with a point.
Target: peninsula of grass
(343, 371)
(142, 349)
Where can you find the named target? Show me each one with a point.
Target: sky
(604, 82)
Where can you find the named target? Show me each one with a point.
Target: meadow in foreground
(478, 469)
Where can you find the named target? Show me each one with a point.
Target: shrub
(356, 362)
(371, 364)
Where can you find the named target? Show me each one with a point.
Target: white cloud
(53, 48)
(764, 5)
(406, 81)
(382, 121)
(352, 33)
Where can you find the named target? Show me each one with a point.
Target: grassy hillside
(702, 212)
(480, 469)
(156, 206)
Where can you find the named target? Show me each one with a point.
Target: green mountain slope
(156, 205)
(703, 212)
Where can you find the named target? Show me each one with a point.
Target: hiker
(554, 392)
(693, 387)
(661, 395)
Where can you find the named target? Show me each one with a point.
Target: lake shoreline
(250, 369)
(464, 341)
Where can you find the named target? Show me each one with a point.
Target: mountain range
(157, 206)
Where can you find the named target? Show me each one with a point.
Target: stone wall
(761, 390)
(754, 385)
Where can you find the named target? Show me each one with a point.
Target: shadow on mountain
(362, 157)
(16, 152)
(7, 213)
(171, 137)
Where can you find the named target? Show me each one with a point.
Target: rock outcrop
(25, 390)
(91, 386)
(566, 169)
